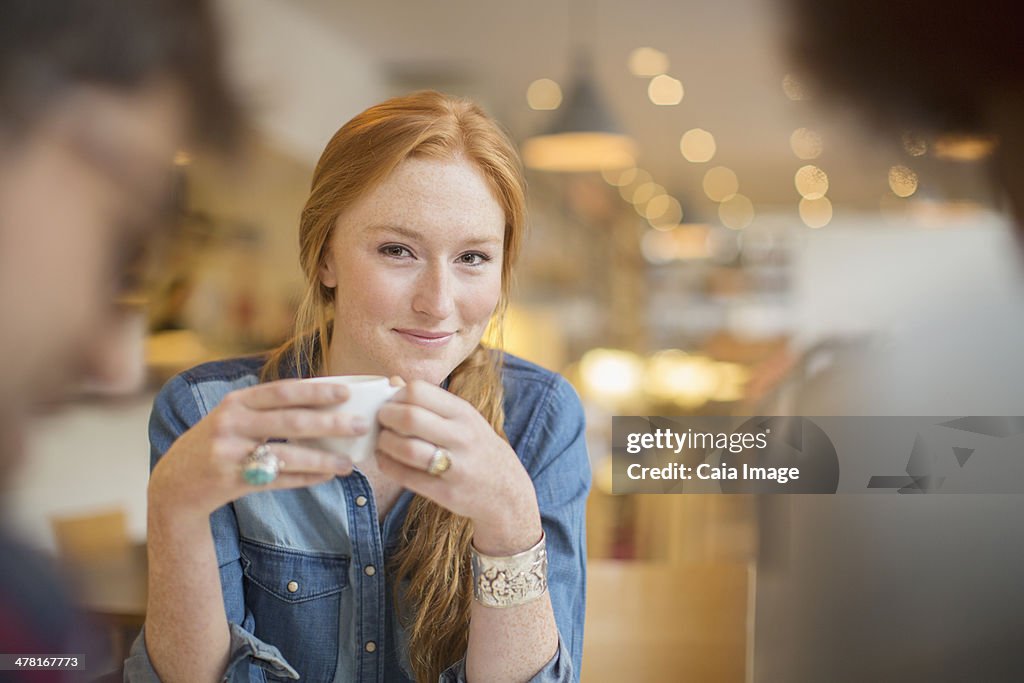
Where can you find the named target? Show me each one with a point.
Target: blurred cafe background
(709, 236)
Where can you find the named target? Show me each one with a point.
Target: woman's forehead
(433, 198)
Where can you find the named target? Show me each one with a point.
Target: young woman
(457, 553)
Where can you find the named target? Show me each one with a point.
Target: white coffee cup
(367, 393)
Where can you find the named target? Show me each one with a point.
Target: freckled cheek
(479, 300)
(370, 295)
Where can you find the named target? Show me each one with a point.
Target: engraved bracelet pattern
(510, 581)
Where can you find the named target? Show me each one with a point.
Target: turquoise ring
(261, 466)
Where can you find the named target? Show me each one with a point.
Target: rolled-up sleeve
(554, 452)
(246, 651)
(175, 410)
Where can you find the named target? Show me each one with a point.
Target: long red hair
(433, 556)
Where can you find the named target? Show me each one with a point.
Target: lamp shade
(583, 138)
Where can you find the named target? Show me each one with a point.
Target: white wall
(302, 80)
(82, 459)
(862, 275)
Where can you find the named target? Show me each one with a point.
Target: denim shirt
(293, 562)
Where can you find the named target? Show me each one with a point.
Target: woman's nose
(435, 293)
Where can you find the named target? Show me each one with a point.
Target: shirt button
(371, 646)
(369, 570)
(360, 501)
(292, 586)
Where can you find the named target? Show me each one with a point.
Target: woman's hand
(203, 469)
(486, 481)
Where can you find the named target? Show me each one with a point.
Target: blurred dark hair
(48, 47)
(930, 65)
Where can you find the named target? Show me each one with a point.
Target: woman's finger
(431, 397)
(296, 423)
(409, 419)
(410, 451)
(288, 393)
(305, 460)
(436, 488)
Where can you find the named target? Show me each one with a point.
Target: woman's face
(416, 267)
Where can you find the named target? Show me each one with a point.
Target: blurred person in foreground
(415, 219)
(95, 98)
(909, 587)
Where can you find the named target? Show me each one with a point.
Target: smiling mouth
(426, 337)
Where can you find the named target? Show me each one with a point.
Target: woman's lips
(426, 338)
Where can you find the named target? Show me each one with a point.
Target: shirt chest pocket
(296, 600)
(293, 576)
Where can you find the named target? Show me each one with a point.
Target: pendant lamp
(584, 137)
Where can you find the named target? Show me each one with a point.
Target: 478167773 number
(22, 662)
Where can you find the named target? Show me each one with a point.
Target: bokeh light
(663, 212)
(720, 183)
(811, 182)
(697, 145)
(679, 243)
(611, 375)
(816, 213)
(544, 94)
(736, 212)
(646, 62)
(638, 178)
(805, 143)
(676, 376)
(914, 144)
(618, 176)
(644, 193)
(794, 88)
(902, 181)
(963, 147)
(665, 90)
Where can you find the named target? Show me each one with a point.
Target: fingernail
(359, 423)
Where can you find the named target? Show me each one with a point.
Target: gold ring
(440, 462)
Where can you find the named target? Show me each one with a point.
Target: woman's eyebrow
(411, 234)
(397, 229)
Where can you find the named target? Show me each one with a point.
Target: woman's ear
(327, 276)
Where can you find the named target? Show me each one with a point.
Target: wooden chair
(109, 571)
(86, 538)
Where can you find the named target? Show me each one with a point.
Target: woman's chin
(434, 372)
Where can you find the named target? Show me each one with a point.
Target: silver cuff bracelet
(510, 581)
